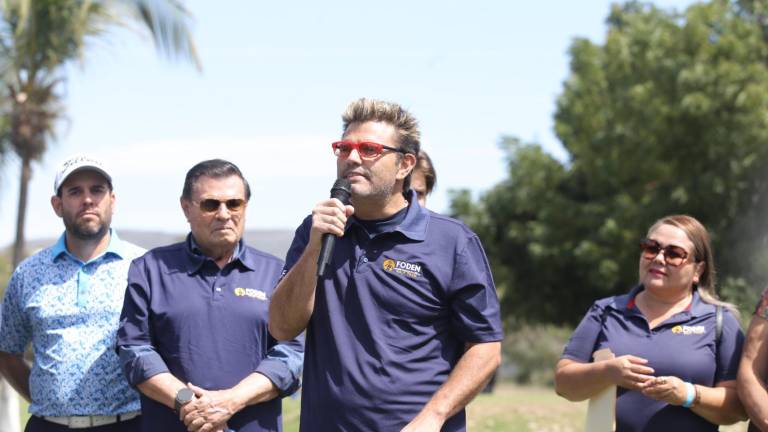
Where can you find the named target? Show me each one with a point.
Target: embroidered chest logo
(252, 293)
(688, 330)
(402, 267)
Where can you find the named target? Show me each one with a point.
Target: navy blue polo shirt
(205, 325)
(392, 319)
(682, 346)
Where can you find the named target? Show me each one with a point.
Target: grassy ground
(509, 408)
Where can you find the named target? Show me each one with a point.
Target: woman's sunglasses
(673, 255)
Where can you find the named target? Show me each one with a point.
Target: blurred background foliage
(669, 115)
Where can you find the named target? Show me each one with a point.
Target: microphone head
(342, 190)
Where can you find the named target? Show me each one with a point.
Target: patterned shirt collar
(115, 247)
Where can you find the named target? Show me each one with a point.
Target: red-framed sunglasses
(673, 255)
(366, 149)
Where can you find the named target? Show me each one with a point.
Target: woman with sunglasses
(672, 370)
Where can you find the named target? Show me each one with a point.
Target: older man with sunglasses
(193, 333)
(403, 330)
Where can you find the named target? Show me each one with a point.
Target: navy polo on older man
(193, 335)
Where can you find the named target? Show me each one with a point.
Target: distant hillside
(275, 242)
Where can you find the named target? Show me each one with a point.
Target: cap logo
(78, 160)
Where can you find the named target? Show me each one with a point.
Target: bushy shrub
(531, 352)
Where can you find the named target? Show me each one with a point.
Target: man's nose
(223, 212)
(354, 156)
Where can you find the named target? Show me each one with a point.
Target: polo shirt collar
(698, 306)
(626, 302)
(196, 259)
(414, 225)
(115, 247)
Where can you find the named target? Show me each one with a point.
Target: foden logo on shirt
(251, 292)
(402, 267)
(688, 330)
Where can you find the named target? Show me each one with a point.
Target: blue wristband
(689, 397)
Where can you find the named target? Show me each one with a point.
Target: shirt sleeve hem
(277, 372)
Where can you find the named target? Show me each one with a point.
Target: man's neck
(221, 256)
(87, 249)
(376, 209)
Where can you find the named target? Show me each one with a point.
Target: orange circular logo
(389, 265)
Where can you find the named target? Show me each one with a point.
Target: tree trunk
(18, 244)
(9, 408)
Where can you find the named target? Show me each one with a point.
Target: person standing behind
(405, 329)
(66, 300)
(753, 370)
(423, 178)
(193, 332)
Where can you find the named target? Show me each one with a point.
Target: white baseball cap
(78, 163)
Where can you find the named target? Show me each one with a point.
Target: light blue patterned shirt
(70, 310)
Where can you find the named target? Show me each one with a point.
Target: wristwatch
(183, 397)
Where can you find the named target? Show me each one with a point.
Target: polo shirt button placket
(217, 289)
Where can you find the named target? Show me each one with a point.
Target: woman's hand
(669, 389)
(629, 371)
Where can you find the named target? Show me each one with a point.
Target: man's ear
(112, 198)
(56, 204)
(185, 207)
(407, 164)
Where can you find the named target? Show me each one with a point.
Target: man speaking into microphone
(403, 325)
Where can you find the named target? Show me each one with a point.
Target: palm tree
(38, 38)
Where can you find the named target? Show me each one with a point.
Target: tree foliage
(38, 38)
(669, 115)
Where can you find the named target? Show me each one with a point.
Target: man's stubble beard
(87, 231)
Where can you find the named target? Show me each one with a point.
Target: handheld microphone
(342, 191)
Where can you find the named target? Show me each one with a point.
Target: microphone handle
(325, 254)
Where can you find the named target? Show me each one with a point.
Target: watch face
(184, 395)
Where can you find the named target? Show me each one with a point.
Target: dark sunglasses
(366, 149)
(673, 255)
(211, 205)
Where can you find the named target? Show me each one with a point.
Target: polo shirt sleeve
(139, 359)
(582, 343)
(300, 240)
(283, 365)
(729, 349)
(15, 328)
(474, 303)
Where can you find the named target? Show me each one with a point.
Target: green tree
(669, 115)
(38, 38)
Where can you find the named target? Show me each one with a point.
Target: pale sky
(276, 77)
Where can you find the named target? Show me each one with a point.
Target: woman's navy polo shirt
(391, 321)
(682, 346)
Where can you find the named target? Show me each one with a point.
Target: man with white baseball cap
(66, 300)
